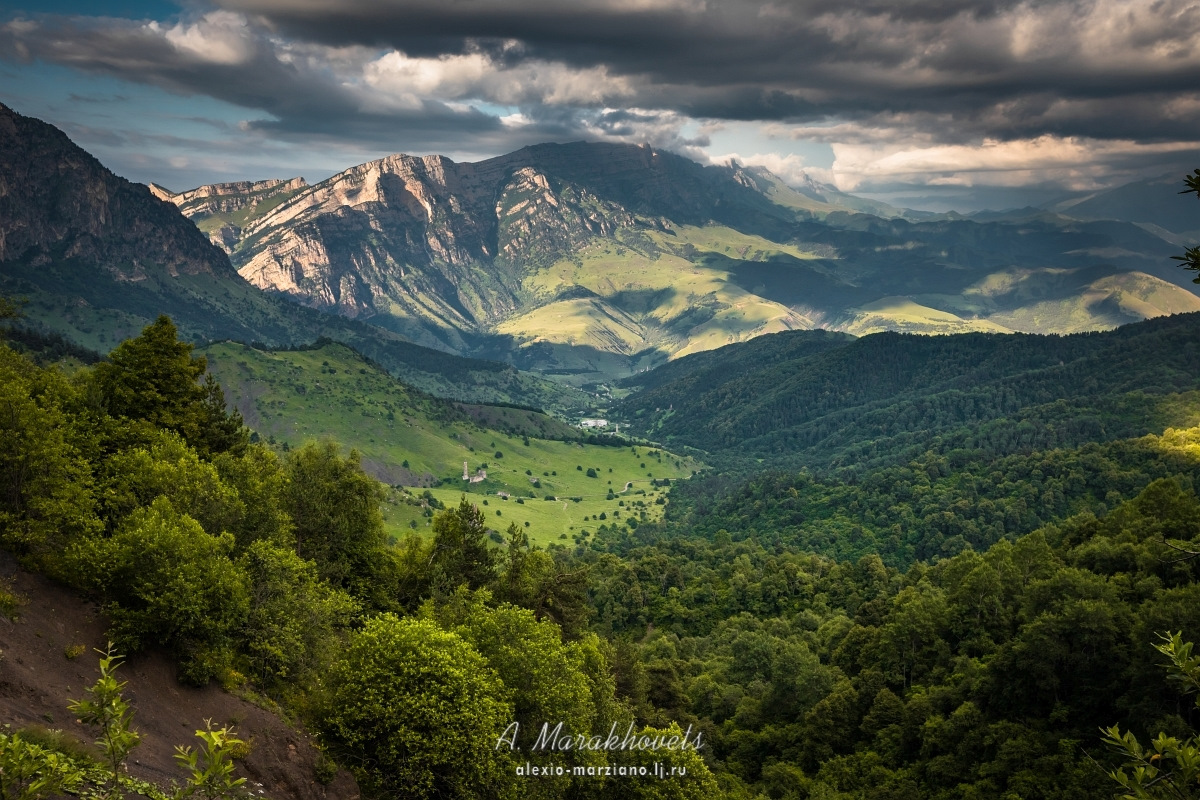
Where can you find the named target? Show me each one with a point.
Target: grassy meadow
(418, 443)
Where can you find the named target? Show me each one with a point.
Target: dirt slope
(37, 680)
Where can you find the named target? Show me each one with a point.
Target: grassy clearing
(410, 439)
(903, 314)
(562, 520)
(654, 292)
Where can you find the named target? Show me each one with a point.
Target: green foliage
(325, 769)
(1170, 766)
(133, 478)
(9, 309)
(951, 626)
(108, 711)
(415, 711)
(544, 679)
(169, 582)
(980, 675)
(934, 506)
(1191, 256)
(291, 628)
(334, 508)
(36, 762)
(31, 772)
(542, 675)
(10, 601)
(260, 479)
(686, 776)
(461, 555)
(46, 497)
(888, 398)
(154, 379)
(210, 767)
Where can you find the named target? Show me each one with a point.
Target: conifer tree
(155, 379)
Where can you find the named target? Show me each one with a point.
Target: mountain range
(821, 400)
(584, 262)
(95, 258)
(594, 261)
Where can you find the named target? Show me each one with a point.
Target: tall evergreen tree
(154, 378)
(460, 550)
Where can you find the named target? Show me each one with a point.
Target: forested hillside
(887, 398)
(272, 574)
(933, 506)
(986, 675)
(949, 627)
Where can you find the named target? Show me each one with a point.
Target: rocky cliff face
(224, 198)
(222, 209)
(58, 204)
(430, 240)
(603, 258)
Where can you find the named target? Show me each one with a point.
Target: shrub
(419, 711)
(168, 582)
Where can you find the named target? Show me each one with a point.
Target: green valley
(533, 468)
(888, 398)
(859, 561)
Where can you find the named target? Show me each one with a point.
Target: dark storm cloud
(953, 92)
(350, 93)
(817, 59)
(1003, 68)
(302, 89)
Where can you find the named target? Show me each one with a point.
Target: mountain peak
(60, 205)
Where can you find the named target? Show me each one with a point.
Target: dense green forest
(951, 626)
(888, 398)
(983, 675)
(933, 506)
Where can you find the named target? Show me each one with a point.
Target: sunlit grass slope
(410, 439)
(653, 295)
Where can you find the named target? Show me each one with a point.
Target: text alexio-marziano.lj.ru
(557, 740)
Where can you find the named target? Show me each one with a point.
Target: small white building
(593, 423)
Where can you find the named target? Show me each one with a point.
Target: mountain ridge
(98, 258)
(599, 260)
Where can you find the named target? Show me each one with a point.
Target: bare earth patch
(38, 679)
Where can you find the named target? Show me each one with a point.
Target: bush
(338, 524)
(168, 582)
(289, 631)
(419, 711)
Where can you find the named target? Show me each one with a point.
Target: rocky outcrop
(59, 204)
(540, 219)
(422, 238)
(224, 198)
(223, 204)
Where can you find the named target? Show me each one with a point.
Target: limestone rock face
(425, 238)
(59, 204)
(427, 243)
(224, 198)
(222, 209)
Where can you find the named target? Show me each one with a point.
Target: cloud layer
(923, 92)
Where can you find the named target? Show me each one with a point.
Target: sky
(933, 104)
